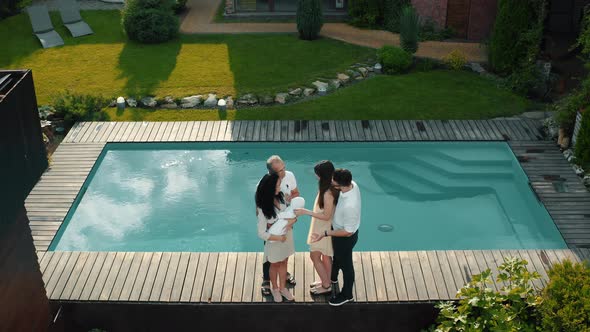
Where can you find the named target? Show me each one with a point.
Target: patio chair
(42, 27)
(70, 15)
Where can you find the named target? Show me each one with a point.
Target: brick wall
(481, 19)
(434, 9)
(23, 302)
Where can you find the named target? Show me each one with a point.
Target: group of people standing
(333, 232)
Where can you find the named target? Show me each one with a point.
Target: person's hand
(287, 198)
(315, 237)
(301, 212)
(283, 238)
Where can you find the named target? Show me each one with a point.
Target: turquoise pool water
(200, 197)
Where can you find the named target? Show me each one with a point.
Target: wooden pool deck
(174, 277)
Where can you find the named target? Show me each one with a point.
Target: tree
(309, 19)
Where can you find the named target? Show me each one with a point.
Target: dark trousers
(343, 261)
(266, 271)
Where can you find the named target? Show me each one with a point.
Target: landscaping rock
(229, 102)
(322, 87)
(211, 101)
(476, 67)
(266, 100)
(353, 73)
(296, 92)
(308, 92)
(191, 101)
(281, 98)
(586, 181)
(359, 78)
(131, 102)
(535, 115)
(579, 170)
(551, 128)
(169, 106)
(149, 102)
(370, 69)
(247, 99)
(335, 84)
(568, 153)
(46, 113)
(363, 71)
(343, 78)
(113, 103)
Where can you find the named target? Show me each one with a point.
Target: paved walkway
(199, 19)
(84, 4)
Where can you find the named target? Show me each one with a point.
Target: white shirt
(347, 215)
(288, 183)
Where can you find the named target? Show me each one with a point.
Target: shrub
(566, 109)
(394, 60)
(456, 60)
(12, 7)
(582, 150)
(179, 6)
(566, 299)
(482, 309)
(76, 107)
(392, 10)
(429, 31)
(309, 19)
(409, 29)
(365, 13)
(514, 18)
(150, 21)
(426, 64)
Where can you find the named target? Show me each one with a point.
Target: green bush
(429, 31)
(566, 109)
(513, 19)
(426, 64)
(365, 13)
(394, 60)
(179, 6)
(75, 107)
(12, 7)
(409, 29)
(309, 19)
(480, 308)
(582, 150)
(150, 21)
(566, 299)
(456, 60)
(392, 10)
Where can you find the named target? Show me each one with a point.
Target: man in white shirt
(274, 164)
(344, 233)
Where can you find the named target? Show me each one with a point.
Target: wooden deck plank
(102, 276)
(119, 282)
(428, 275)
(230, 277)
(239, 277)
(369, 278)
(80, 284)
(135, 293)
(257, 294)
(109, 283)
(456, 269)
(388, 276)
(398, 275)
(482, 265)
(379, 277)
(150, 277)
(54, 268)
(170, 277)
(299, 292)
(55, 289)
(158, 284)
(249, 281)
(209, 278)
(408, 274)
(442, 285)
(179, 278)
(419, 278)
(75, 274)
(180, 132)
(309, 276)
(92, 277)
(133, 277)
(188, 285)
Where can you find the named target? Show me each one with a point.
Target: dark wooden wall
(23, 303)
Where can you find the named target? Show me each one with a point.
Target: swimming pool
(200, 197)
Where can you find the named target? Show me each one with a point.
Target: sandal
(265, 288)
(291, 279)
(287, 295)
(276, 295)
(315, 284)
(321, 290)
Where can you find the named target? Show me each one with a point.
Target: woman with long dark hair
(321, 221)
(277, 248)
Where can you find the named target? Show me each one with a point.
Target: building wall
(434, 9)
(23, 303)
(481, 19)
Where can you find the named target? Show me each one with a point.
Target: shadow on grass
(146, 66)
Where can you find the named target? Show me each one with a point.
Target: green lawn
(106, 63)
(425, 95)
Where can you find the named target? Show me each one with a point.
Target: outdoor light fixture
(221, 105)
(377, 67)
(120, 103)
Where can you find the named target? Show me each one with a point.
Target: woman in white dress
(277, 248)
(321, 221)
